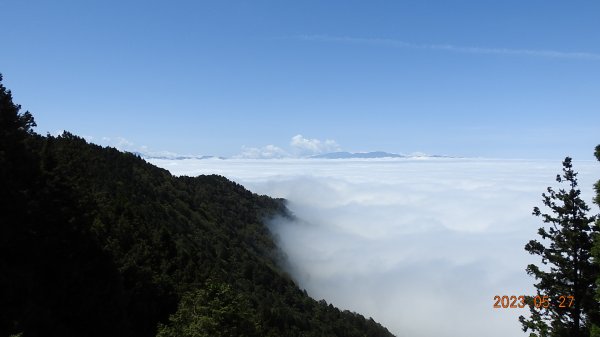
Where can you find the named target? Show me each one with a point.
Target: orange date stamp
(539, 302)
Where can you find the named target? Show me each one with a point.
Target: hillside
(96, 242)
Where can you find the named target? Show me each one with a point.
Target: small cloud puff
(120, 143)
(265, 152)
(313, 146)
(300, 147)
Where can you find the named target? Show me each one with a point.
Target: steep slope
(96, 242)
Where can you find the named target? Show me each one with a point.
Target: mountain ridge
(329, 155)
(352, 155)
(98, 242)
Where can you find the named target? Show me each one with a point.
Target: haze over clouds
(422, 246)
(300, 146)
(266, 152)
(313, 146)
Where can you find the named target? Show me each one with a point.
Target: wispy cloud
(453, 48)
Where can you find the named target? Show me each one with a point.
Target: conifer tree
(567, 267)
(596, 250)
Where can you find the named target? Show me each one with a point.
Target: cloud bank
(422, 246)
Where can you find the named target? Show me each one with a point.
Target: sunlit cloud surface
(422, 246)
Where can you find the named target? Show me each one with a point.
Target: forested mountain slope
(97, 242)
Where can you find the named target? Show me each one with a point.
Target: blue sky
(512, 79)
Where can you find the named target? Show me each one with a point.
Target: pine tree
(568, 269)
(596, 250)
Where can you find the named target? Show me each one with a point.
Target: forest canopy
(98, 242)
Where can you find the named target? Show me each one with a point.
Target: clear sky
(513, 79)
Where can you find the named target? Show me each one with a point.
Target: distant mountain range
(370, 155)
(350, 155)
(331, 155)
(173, 156)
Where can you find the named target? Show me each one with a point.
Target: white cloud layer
(422, 246)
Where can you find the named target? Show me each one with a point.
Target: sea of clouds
(421, 245)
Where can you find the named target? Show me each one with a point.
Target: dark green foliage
(212, 311)
(96, 242)
(567, 268)
(55, 279)
(596, 250)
